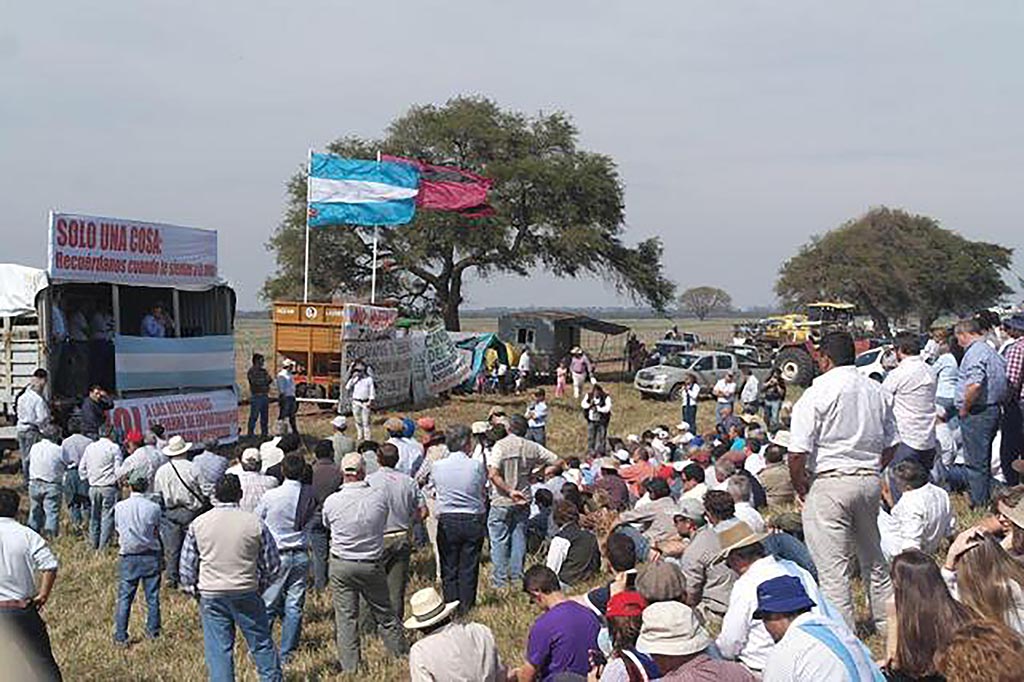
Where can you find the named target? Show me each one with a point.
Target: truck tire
(796, 365)
(676, 394)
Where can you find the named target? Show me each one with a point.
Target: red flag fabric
(446, 188)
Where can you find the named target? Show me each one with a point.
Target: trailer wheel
(796, 366)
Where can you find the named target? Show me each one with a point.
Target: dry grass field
(80, 612)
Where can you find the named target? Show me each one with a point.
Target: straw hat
(576, 350)
(608, 463)
(480, 428)
(1014, 513)
(250, 456)
(177, 446)
(428, 608)
(736, 537)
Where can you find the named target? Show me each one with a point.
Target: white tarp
(19, 286)
(193, 416)
(85, 248)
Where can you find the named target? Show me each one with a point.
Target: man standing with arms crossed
(362, 393)
(981, 388)
(842, 435)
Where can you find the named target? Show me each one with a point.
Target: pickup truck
(665, 380)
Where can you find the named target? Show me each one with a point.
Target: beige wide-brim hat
(780, 438)
(1015, 513)
(576, 350)
(671, 629)
(177, 446)
(428, 608)
(737, 536)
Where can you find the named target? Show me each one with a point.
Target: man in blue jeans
(98, 467)
(230, 557)
(459, 484)
(981, 388)
(287, 511)
(259, 394)
(45, 482)
(508, 467)
(137, 520)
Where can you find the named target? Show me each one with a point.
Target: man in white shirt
(449, 650)
(809, 647)
(738, 487)
(725, 394)
(842, 431)
(362, 393)
(45, 483)
(744, 637)
(178, 487)
(921, 519)
(287, 404)
(33, 414)
(409, 451)
(76, 490)
(750, 396)
(23, 555)
(910, 389)
(142, 456)
(98, 467)
(523, 368)
(537, 418)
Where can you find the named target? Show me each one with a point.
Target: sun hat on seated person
(479, 428)
(691, 508)
(177, 446)
(428, 608)
(671, 628)
(250, 456)
(780, 438)
(1013, 512)
(660, 581)
(784, 594)
(736, 537)
(269, 445)
(608, 463)
(394, 425)
(339, 422)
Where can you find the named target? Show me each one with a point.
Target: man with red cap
(142, 457)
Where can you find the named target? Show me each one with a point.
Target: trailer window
(524, 336)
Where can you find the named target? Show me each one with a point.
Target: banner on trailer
(446, 366)
(84, 248)
(366, 322)
(390, 364)
(193, 416)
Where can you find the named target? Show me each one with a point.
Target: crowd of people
(726, 553)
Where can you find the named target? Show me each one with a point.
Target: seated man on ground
(573, 554)
(449, 650)
(672, 635)
(922, 517)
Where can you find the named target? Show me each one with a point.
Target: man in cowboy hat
(459, 652)
(743, 637)
(287, 403)
(176, 484)
(808, 647)
(672, 635)
(580, 368)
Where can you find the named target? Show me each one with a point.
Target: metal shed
(551, 334)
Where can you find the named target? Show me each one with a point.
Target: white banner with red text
(85, 248)
(193, 416)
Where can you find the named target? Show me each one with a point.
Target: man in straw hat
(177, 486)
(287, 403)
(580, 368)
(808, 647)
(843, 431)
(744, 637)
(449, 650)
(357, 515)
(672, 635)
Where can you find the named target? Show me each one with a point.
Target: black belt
(361, 400)
(356, 561)
(291, 550)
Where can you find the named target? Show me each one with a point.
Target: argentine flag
(353, 192)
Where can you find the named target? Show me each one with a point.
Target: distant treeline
(618, 313)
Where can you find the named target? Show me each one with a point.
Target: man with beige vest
(230, 557)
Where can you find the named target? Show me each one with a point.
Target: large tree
(894, 264)
(557, 207)
(702, 301)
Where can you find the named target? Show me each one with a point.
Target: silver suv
(665, 380)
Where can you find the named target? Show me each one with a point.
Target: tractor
(792, 338)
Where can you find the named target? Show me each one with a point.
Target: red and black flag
(447, 188)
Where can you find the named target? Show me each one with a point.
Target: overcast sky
(740, 128)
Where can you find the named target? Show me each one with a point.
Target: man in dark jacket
(94, 410)
(259, 394)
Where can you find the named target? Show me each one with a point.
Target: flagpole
(373, 271)
(305, 277)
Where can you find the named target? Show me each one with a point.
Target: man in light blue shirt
(459, 482)
(156, 324)
(209, 466)
(137, 520)
(537, 418)
(981, 389)
(287, 512)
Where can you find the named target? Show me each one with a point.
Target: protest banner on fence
(420, 390)
(193, 416)
(84, 248)
(365, 322)
(446, 366)
(390, 364)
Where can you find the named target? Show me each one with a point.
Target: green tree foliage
(893, 264)
(702, 301)
(558, 208)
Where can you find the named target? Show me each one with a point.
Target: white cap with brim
(339, 422)
(250, 455)
(780, 438)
